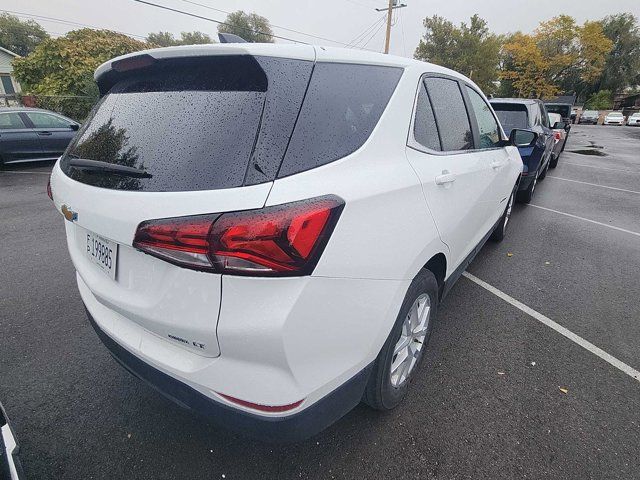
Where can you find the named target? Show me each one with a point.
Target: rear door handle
(445, 178)
(44, 133)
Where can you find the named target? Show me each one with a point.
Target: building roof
(9, 52)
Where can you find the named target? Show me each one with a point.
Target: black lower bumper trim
(292, 428)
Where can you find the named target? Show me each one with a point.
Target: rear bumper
(283, 429)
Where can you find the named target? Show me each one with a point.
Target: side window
(11, 120)
(44, 120)
(450, 113)
(425, 130)
(487, 126)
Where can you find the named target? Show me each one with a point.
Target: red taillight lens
(558, 135)
(49, 192)
(260, 407)
(277, 241)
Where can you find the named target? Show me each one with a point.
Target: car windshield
(589, 113)
(511, 115)
(615, 114)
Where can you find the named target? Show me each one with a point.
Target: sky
(345, 22)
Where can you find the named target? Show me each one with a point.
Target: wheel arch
(438, 266)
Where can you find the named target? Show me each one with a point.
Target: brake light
(49, 191)
(282, 240)
(558, 135)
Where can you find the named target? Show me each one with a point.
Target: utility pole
(393, 4)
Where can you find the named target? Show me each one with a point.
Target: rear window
(563, 110)
(511, 115)
(193, 126)
(342, 107)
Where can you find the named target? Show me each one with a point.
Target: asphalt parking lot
(500, 395)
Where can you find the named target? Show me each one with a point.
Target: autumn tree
(470, 49)
(166, 39)
(64, 66)
(250, 26)
(19, 36)
(559, 56)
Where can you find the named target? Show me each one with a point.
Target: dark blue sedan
(528, 114)
(31, 134)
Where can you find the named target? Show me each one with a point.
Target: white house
(8, 84)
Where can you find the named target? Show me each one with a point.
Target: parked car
(590, 117)
(520, 113)
(564, 110)
(560, 138)
(235, 253)
(574, 115)
(10, 466)
(614, 118)
(634, 119)
(31, 134)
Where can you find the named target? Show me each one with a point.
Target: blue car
(531, 115)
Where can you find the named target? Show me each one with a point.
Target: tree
(622, 65)
(64, 66)
(18, 36)
(250, 26)
(469, 49)
(166, 39)
(559, 56)
(603, 100)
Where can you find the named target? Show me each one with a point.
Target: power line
(358, 38)
(175, 10)
(374, 34)
(272, 25)
(64, 22)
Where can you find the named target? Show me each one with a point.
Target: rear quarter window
(342, 106)
(511, 115)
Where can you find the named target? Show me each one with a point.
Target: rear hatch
(177, 133)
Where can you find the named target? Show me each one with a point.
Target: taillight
(49, 192)
(283, 240)
(558, 135)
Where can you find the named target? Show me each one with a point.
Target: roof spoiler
(230, 38)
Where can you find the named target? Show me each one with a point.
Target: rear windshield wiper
(97, 165)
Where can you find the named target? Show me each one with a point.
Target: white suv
(264, 232)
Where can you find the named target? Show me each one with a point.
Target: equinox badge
(69, 214)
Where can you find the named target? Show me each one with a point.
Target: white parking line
(28, 173)
(586, 220)
(623, 367)
(601, 168)
(594, 184)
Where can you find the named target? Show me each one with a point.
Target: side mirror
(522, 138)
(559, 126)
(74, 126)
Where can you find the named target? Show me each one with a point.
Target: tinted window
(341, 108)
(11, 120)
(193, 126)
(511, 115)
(563, 110)
(488, 129)
(44, 120)
(450, 113)
(544, 117)
(425, 130)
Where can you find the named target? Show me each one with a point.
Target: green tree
(470, 49)
(250, 26)
(602, 100)
(18, 36)
(622, 65)
(64, 66)
(166, 39)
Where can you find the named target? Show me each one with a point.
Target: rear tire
(553, 163)
(501, 228)
(387, 386)
(543, 173)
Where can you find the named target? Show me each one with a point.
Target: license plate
(102, 252)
